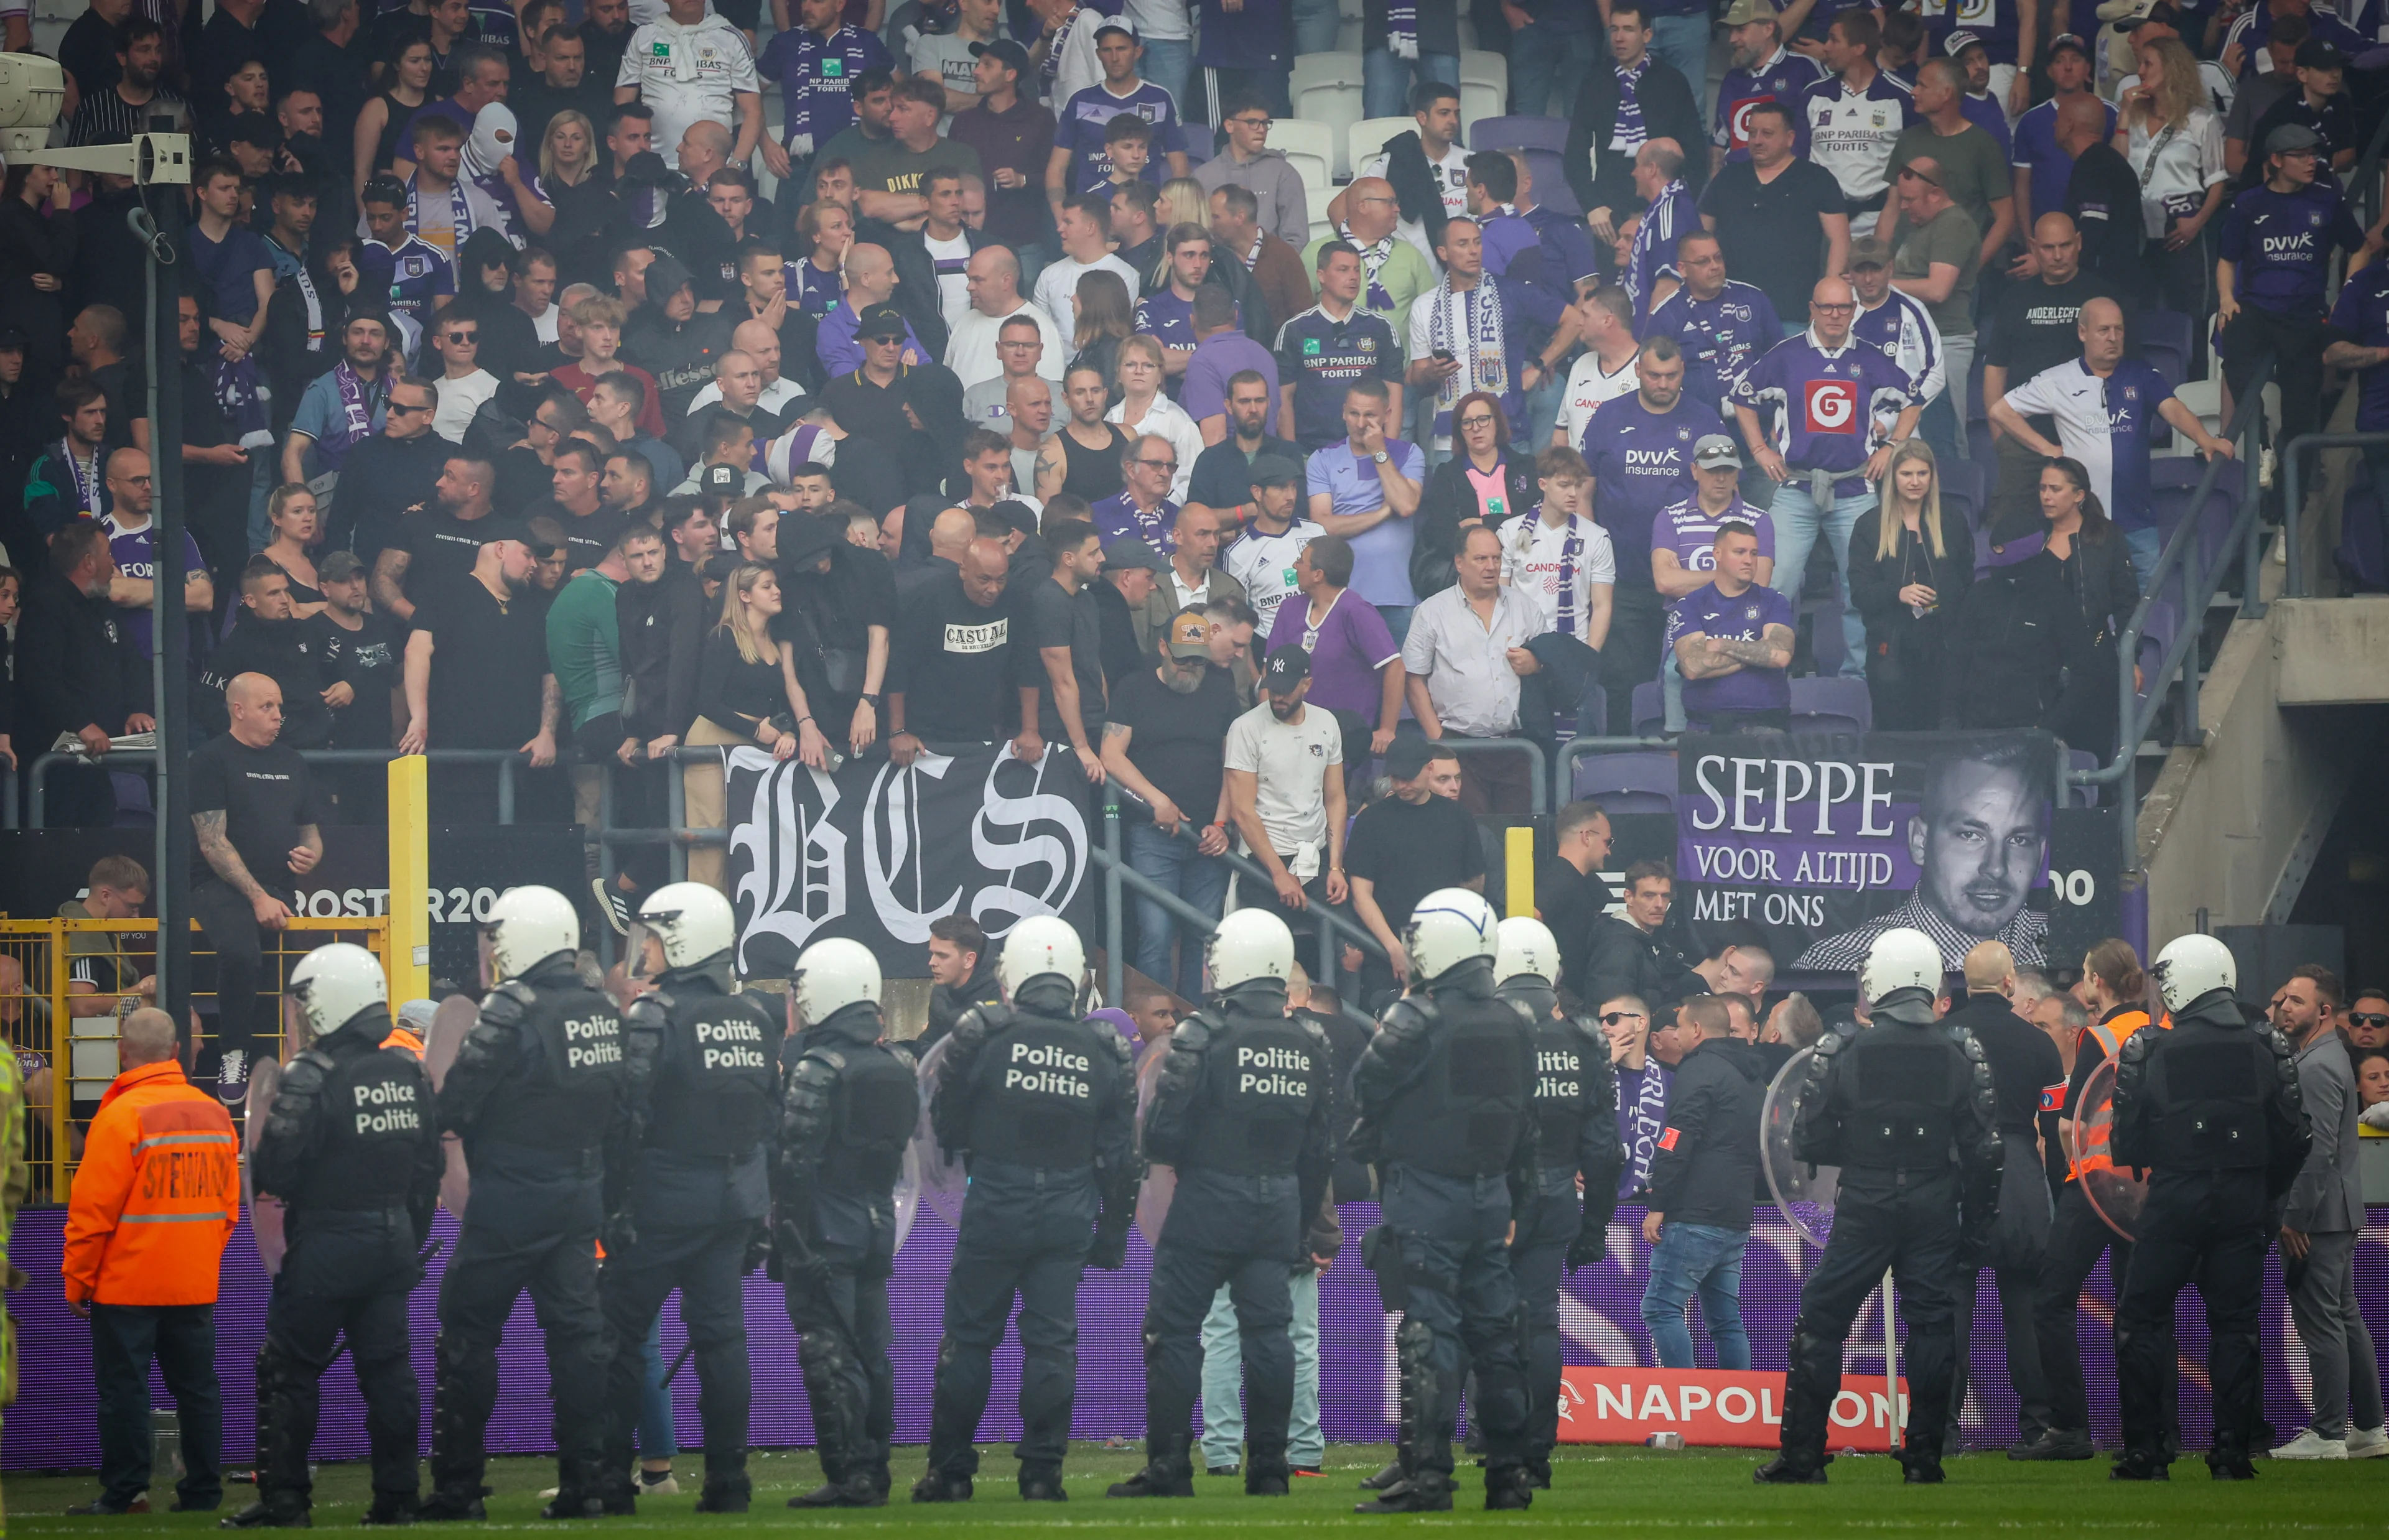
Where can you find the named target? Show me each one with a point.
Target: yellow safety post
(410, 881)
(1518, 846)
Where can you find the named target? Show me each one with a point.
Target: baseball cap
(1958, 42)
(1715, 451)
(1275, 470)
(881, 321)
(803, 536)
(1005, 51)
(2069, 40)
(1190, 634)
(1286, 667)
(338, 566)
(254, 128)
(2291, 137)
(722, 481)
(1744, 12)
(1114, 24)
(2320, 52)
(1132, 554)
(12, 339)
(498, 527)
(1870, 251)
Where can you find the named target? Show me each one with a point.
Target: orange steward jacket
(157, 1195)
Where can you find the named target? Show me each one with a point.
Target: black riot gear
(537, 1093)
(2212, 1109)
(851, 1105)
(353, 1149)
(685, 1198)
(1463, 1104)
(1042, 1105)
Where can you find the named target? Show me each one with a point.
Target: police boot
(1809, 1387)
(2139, 1465)
(1266, 1472)
(1383, 1479)
(1507, 1488)
(1040, 1483)
(725, 1492)
(285, 1424)
(581, 1491)
(854, 1488)
(1427, 1492)
(939, 1487)
(1539, 1471)
(465, 1381)
(391, 1508)
(1168, 1471)
(1921, 1467)
(269, 1515)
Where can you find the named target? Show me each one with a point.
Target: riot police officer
(536, 1095)
(2212, 1111)
(851, 1106)
(1576, 1114)
(701, 1093)
(1042, 1105)
(1906, 1108)
(1242, 1116)
(1446, 1092)
(351, 1150)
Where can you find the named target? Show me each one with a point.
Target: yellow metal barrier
(40, 998)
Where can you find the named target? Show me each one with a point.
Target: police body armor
(1461, 1111)
(1264, 1074)
(1037, 1087)
(715, 1087)
(560, 1091)
(872, 1120)
(1574, 1084)
(351, 1121)
(2207, 1096)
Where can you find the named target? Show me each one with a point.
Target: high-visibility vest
(2111, 1035)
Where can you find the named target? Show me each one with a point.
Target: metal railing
(1538, 777)
(37, 804)
(2297, 583)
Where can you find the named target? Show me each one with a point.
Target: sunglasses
(1612, 1018)
(2369, 1018)
(402, 406)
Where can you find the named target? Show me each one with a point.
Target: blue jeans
(1201, 879)
(657, 1438)
(1798, 524)
(1167, 62)
(1316, 23)
(1386, 81)
(1702, 1257)
(1223, 1414)
(1543, 412)
(1546, 63)
(1397, 620)
(2144, 546)
(1684, 41)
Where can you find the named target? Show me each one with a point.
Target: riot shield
(265, 1214)
(1805, 1194)
(939, 1182)
(907, 1195)
(1160, 1183)
(2114, 1193)
(449, 1024)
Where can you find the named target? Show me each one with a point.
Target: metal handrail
(1537, 778)
(36, 808)
(2295, 581)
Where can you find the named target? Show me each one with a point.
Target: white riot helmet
(526, 927)
(1901, 959)
(1249, 944)
(690, 921)
(1523, 947)
(1450, 926)
(2193, 967)
(335, 984)
(1040, 945)
(831, 976)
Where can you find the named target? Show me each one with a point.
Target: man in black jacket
(1702, 1177)
(1628, 956)
(1603, 178)
(267, 640)
(920, 272)
(77, 673)
(962, 972)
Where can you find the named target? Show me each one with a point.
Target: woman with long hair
(568, 151)
(1482, 483)
(290, 511)
(1908, 573)
(2173, 143)
(816, 280)
(1142, 408)
(376, 140)
(2095, 566)
(1102, 317)
(740, 699)
(1182, 201)
(37, 253)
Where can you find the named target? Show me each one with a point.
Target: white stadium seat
(1325, 88)
(1369, 135)
(1311, 148)
(1484, 85)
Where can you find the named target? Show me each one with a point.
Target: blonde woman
(290, 509)
(740, 700)
(1908, 571)
(1182, 201)
(1144, 409)
(2175, 145)
(816, 280)
(567, 152)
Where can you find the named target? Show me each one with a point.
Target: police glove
(1591, 1245)
(759, 1252)
(621, 1233)
(1110, 1250)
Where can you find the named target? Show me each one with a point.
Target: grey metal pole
(170, 640)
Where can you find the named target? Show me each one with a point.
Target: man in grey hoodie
(1249, 162)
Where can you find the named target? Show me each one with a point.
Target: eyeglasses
(1250, 122)
(541, 422)
(1611, 1018)
(1831, 310)
(1480, 420)
(1159, 464)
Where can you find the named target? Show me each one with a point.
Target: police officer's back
(1041, 1106)
(687, 1197)
(351, 1150)
(535, 1094)
(2211, 1109)
(1242, 1116)
(851, 1106)
(1576, 1116)
(1906, 1109)
(1444, 1092)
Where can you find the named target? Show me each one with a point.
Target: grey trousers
(2339, 1349)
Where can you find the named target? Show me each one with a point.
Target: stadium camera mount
(33, 89)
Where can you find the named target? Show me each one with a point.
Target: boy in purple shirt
(1356, 667)
(1733, 641)
(1079, 163)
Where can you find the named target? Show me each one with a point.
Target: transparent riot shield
(1160, 1183)
(1804, 1193)
(937, 1181)
(2115, 1193)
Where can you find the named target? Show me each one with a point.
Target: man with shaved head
(2103, 195)
(870, 281)
(950, 535)
(738, 390)
(2035, 329)
(1393, 271)
(781, 398)
(1027, 423)
(949, 679)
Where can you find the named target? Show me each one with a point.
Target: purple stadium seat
(1650, 710)
(1821, 705)
(1642, 783)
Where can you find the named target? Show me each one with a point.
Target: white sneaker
(2308, 1445)
(653, 1483)
(2368, 1442)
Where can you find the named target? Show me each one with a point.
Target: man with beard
(1977, 840)
(442, 540)
(343, 405)
(113, 114)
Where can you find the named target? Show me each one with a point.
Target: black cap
(804, 536)
(498, 527)
(1132, 554)
(2069, 40)
(883, 321)
(1275, 470)
(722, 481)
(1005, 51)
(719, 566)
(2320, 52)
(1286, 667)
(648, 167)
(254, 128)
(1017, 514)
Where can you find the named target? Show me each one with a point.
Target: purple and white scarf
(460, 215)
(1641, 1118)
(241, 393)
(1628, 134)
(1483, 349)
(1374, 296)
(1053, 65)
(357, 403)
(1401, 29)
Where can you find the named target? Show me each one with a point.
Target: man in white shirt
(1461, 336)
(1285, 765)
(1085, 230)
(975, 350)
(464, 385)
(1263, 557)
(1605, 315)
(1560, 561)
(690, 65)
(1897, 324)
(1437, 108)
(1464, 659)
(1856, 116)
(759, 342)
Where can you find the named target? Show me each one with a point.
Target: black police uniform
(1906, 1109)
(1446, 1089)
(851, 1106)
(2212, 1110)
(1042, 1106)
(1576, 1114)
(352, 1151)
(536, 1093)
(686, 1203)
(1244, 1117)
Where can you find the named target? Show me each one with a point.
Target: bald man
(1393, 272)
(950, 535)
(2102, 196)
(259, 829)
(870, 280)
(2035, 329)
(2030, 1082)
(132, 541)
(951, 654)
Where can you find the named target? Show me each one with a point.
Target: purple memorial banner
(52, 1425)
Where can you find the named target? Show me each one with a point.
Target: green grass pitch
(1696, 1492)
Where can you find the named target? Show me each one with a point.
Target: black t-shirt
(1571, 904)
(952, 660)
(587, 537)
(2036, 325)
(266, 797)
(1768, 230)
(438, 546)
(487, 661)
(1179, 741)
(2104, 197)
(1054, 618)
(1409, 849)
(869, 410)
(828, 616)
(368, 659)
